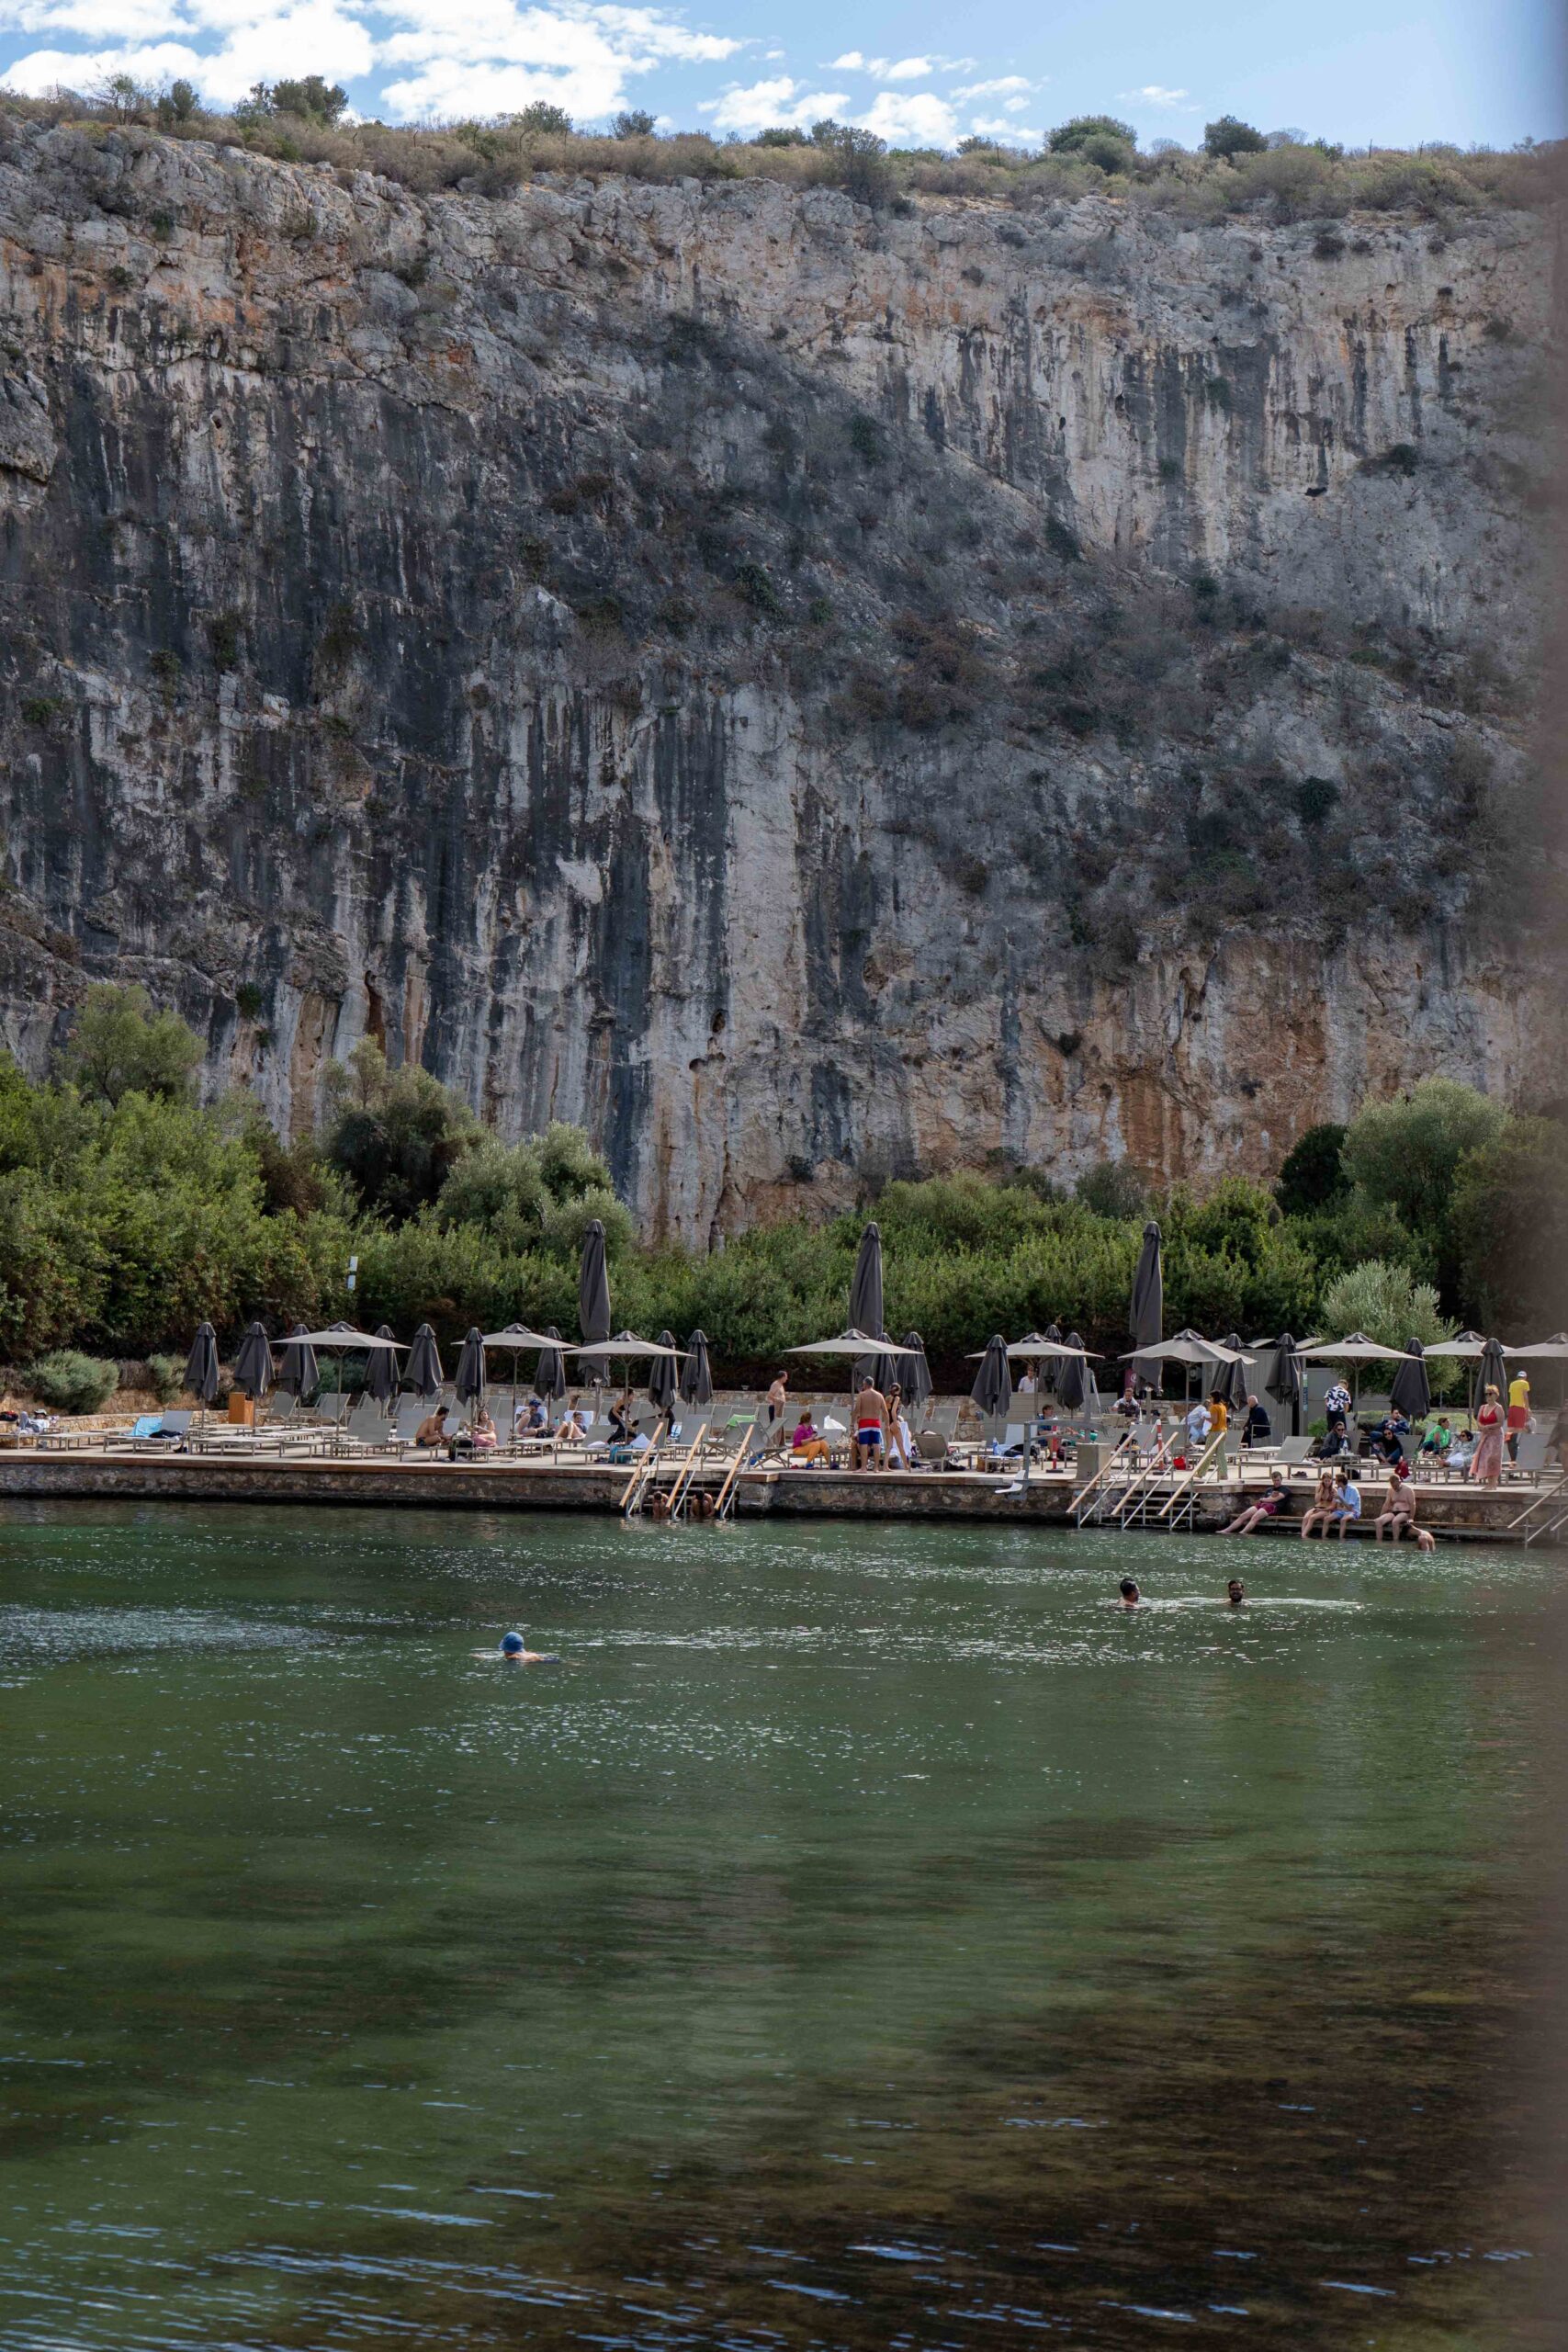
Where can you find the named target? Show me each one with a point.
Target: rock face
(811, 695)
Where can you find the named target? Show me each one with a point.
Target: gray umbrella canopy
(594, 1286)
(550, 1376)
(1552, 1351)
(1072, 1380)
(470, 1382)
(1410, 1391)
(253, 1365)
(847, 1344)
(993, 1382)
(1489, 1373)
(423, 1371)
(381, 1379)
(914, 1372)
(663, 1374)
(1146, 1321)
(201, 1365)
(298, 1372)
(1230, 1381)
(697, 1375)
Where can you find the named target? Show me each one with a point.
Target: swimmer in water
(514, 1648)
(1130, 1595)
(1235, 1593)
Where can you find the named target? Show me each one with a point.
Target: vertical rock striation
(812, 694)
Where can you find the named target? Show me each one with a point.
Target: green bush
(73, 1383)
(1384, 1302)
(167, 1377)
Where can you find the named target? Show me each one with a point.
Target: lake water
(863, 1936)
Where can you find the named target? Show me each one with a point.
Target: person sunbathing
(1253, 1516)
(431, 1433)
(483, 1432)
(1398, 1510)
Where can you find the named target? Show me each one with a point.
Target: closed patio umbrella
(696, 1375)
(993, 1382)
(469, 1383)
(1146, 1321)
(914, 1372)
(298, 1370)
(1410, 1390)
(253, 1364)
(663, 1374)
(1489, 1373)
(1231, 1379)
(594, 1286)
(1052, 1335)
(381, 1379)
(550, 1374)
(423, 1371)
(1285, 1379)
(1073, 1382)
(201, 1365)
(865, 1289)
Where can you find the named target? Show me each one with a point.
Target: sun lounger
(160, 1428)
(1532, 1456)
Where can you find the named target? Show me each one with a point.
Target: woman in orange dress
(1488, 1467)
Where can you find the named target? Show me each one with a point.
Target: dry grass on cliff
(1287, 184)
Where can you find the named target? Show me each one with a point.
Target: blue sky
(1471, 71)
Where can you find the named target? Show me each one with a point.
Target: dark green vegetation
(866, 1936)
(128, 1213)
(1238, 169)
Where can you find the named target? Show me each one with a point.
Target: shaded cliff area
(812, 694)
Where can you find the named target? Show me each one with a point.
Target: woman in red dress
(1487, 1466)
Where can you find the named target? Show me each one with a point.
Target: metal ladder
(1553, 1502)
(1133, 1508)
(1180, 1509)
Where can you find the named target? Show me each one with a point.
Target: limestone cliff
(810, 694)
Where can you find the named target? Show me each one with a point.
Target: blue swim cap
(511, 1645)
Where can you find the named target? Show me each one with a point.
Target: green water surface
(861, 1936)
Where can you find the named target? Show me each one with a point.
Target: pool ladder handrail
(1182, 1492)
(1553, 1498)
(1140, 1487)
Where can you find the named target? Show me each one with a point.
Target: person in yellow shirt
(1219, 1415)
(1518, 1411)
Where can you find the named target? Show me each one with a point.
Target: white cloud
(763, 103)
(1152, 94)
(1006, 85)
(852, 61)
(483, 56)
(336, 46)
(905, 69)
(919, 118)
(1003, 127)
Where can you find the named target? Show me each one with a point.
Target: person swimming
(1130, 1595)
(515, 1648)
(1236, 1593)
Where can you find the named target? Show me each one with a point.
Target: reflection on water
(861, 1938)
